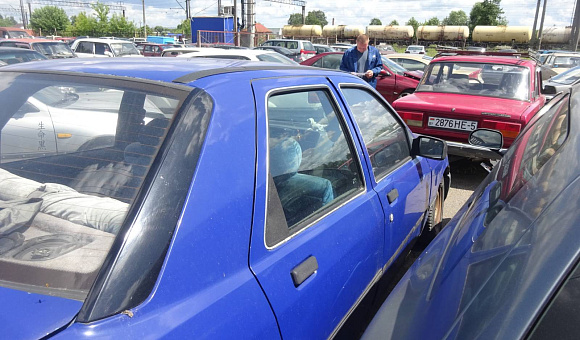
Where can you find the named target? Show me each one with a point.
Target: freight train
(517, 36)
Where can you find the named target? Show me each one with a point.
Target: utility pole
(236, 32)
(534, 39)
(542, 24)
(251, 20)
(575, 34)
(144, 22)
(304, 14)
(23, 14)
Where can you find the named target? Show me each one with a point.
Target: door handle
(304, 270)
(392, 195)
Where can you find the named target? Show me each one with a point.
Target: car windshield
(10, 57)
(415, 48)
(393, 66)
(124, 49)
(568, 77)
(479, 79)
(275, 58)
(18, 34)
(54, 49)
(567, 62)
(74, 153)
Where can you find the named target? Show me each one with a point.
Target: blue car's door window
(384, 137)
(310, 161)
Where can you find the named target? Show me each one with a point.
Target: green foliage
(316, 18)
(184, 27)
(394, 23)
(102, 11)
(456, 18)
(49, 19)
(119, 26)
(295, 19)
(159, 29)
(7, 22)
(84, 24)
(432, 22)
(375, 21)
(413, 22)
(486, 13)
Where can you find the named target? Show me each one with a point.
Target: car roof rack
(447, 52)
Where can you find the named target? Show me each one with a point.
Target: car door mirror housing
(429, 147)
(385, 73)
(488, 138)
(549, 89)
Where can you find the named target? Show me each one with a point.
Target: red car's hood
(466, 104)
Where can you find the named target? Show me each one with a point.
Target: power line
(75, 3)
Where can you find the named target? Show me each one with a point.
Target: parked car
(394, 81)
(175, 51)
(102, 48)
(507, 265)
(341, 48)
(415, 49)
(52, 49)
(15, 55)
(561, 62)
(254, 55)
(386, 49)
(290, 54)
(14, 33)
(561, 82)
(267, 211)
(459, 94)
(322, 48)
(153, 49)
(411, 62)
(304, 47)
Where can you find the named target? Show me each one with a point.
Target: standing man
(363, 60)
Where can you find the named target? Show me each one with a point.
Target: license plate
(455, 124)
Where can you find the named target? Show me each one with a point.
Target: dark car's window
(85, 47)
(393, 66)
(14, 57)
(384, 137)
(75, 152)
(412, 65)
(311, 163)
(308, 46)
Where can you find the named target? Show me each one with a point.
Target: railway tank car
(518, 35)
(389, 33)
(302, 31)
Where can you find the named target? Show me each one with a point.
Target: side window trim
(335, 205)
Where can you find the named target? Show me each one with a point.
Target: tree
(184, 27)
(49, 19)
(316, 18)
(375, 21)
(394, 23)
(7, 22)
(432, 22)
(486, 13)
(413, 22)
(102, 11)
(295, 19)
(159, 29)
(84, 24)
(119, 25)
(456, 18)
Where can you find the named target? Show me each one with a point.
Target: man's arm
(345, 64)
(378, 64)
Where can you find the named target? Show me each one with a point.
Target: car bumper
(473, 151)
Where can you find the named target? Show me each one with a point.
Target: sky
(169, 13)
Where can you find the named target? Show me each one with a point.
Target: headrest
(285, 157)
(152, 132)
(148, 140)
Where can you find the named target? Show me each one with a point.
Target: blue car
(201, 198)
(507, 265)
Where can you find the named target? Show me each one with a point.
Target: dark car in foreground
(202, 198)
(393, 82)
(15, 55)
(507, 266)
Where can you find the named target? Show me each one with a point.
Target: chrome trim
(375, 279)
(472, 151)
(364, 189)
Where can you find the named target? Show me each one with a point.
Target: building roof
(262, 29)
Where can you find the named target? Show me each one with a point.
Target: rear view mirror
(385, 73)
(492, 139)
(430, 147)
(549, 89)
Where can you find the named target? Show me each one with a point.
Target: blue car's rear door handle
(304, 270)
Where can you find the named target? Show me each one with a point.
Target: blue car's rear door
(318, 226)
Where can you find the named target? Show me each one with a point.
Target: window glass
(101, 48)
(413, 65)
(332, 61)
(85, 47)
(310, 157)
(275, 58)
(384, 137)
(318, 63)
(74, 153)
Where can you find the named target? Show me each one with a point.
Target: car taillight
(412, 118)
(509, 130)
(421, 52)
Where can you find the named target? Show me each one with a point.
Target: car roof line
(188, 78)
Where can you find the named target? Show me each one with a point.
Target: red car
(459, 94)
(394, 81)
(153, 49)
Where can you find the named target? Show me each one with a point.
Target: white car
(412, 62)
(97, 48)
(415, 49)
(255, 55)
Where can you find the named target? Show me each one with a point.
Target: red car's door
(386, 85)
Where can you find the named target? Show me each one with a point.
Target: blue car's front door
(401, 181)
(318, 227)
